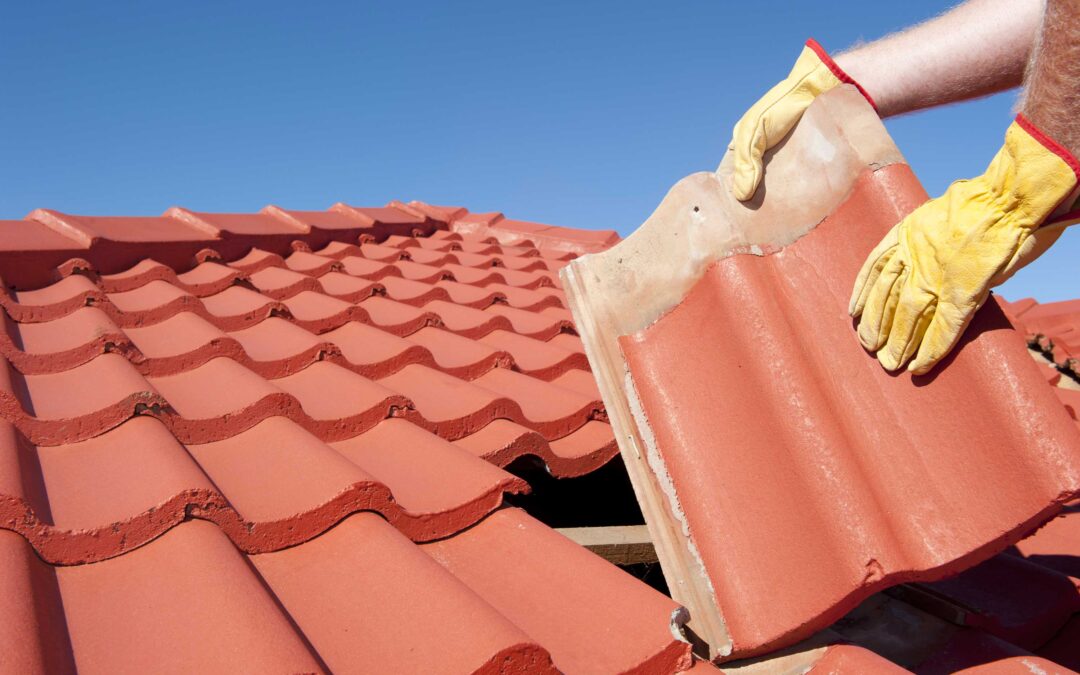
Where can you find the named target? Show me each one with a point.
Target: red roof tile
(833, 431)
(801, 475)
(248, 421)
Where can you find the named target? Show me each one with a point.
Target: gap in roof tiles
(603, 497)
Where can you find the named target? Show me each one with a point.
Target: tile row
(508, 595)
(272, 486)
(281, 344)
(314, 302)
(221, 398)
(48, 241)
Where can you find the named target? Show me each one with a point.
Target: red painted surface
(808, 476)
(247, 422)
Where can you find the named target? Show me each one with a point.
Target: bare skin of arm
(978, 48)
(1052, 92)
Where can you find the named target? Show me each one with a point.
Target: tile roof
(279, 436)
(790, 476)
(1052, 328)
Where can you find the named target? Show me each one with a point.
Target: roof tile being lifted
(1018, 612)
(783, 472)
(224, 436)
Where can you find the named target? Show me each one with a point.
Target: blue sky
(572, 113)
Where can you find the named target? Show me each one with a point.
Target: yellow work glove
(774, 115)
(920, 287)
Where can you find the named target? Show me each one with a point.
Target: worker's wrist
(838, 69)
(851, 64)
(1067, 209)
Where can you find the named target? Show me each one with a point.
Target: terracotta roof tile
(53, 301)
(477, 297)
(844, 659)
(460, 356)
(232, 309)
(280, 283)
(419, 272)
(542, 360)
(368, 269)
(519, 567)
(205, 278)
(120, 229)
(61, 344)
(257, 259)
(190, 587)
(180, 342)
(764, 326)
(241, 223)
(411, 292)
(798, 477)
(542, 325)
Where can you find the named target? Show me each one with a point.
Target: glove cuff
(1072, 215)
(813, 45)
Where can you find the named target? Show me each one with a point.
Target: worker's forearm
(1052, 91)
(978, 48)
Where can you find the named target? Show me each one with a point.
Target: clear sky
(571, 113)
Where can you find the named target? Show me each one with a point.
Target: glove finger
(941, 336)
(914, 311)
(877, 315)
(749, 145)
(870, 271)
(769, 120)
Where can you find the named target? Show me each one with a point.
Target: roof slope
(233, 431)
(801, 477)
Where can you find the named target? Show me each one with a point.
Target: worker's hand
(774, 115)
(921, 285)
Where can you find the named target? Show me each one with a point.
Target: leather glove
(775, 114)
(920, 287)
